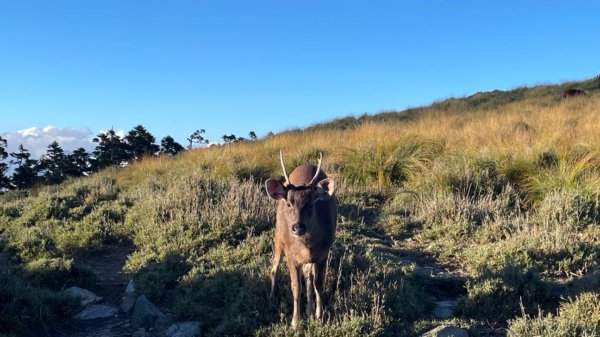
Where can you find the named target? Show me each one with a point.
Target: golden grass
(516, 130)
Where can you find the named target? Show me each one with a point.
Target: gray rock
(446, 331)
(96, 311)
(146, 315)
(444, 309)
(85, 296)
(184, 329)
(128, 300)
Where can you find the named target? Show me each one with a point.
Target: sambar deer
(572, 93)
(304, 230)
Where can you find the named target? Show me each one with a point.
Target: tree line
(55, 165)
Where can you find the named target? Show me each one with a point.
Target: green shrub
(474, 178)
(58, 273)
(33, 242)
(500, 294)
(575, 318)
(154, 278)
(23, 302)
(569, 208)
(350, 325)
(193, 213)
(529, 252)
(234, 302)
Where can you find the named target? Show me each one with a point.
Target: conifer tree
(170, 147)
(111, 150)
(78, 163)
(229, 138)
(54, 164)
(25, 174)
(4, 180)
(141, 142)
(232, 139)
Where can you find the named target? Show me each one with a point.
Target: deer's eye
(289, 204)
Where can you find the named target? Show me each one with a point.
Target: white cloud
(36, 139)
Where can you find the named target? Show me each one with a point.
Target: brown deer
(304, 230)
(573, 93)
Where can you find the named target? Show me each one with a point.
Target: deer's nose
(299, 229)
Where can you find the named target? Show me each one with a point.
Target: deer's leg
(319, 272)
(296, 284)
(308, 271)
(275, 266)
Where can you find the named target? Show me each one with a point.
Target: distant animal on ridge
(573, 93)
(304, 231)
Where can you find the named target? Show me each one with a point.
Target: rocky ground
(114, 310)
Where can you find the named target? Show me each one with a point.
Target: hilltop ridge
(477, 101)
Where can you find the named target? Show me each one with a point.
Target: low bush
(501, 294)
(575, 318)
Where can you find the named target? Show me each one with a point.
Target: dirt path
(111, 283)
(108, 267)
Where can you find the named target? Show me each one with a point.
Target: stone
(128, 300)
(85, 296)
(147, 315)
(96, 311)
(444, 309)
(184, 329)
(446, 331)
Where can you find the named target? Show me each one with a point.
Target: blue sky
(237, 66)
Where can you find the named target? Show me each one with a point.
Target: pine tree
(141, 142)
(252, 135)
(4, 180)
(170, 147)
(78, 163)
(25, 174)
(229, 138)
(232, 139)
(54, 164)
(197, 138)
(111, 150)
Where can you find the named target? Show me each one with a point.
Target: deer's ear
(325, 189)
(275, 189)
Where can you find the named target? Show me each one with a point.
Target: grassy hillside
(492, 199)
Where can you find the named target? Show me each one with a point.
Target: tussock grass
(388, 164)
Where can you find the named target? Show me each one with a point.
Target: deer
(305, 224)
(573, 93)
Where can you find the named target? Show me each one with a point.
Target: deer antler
(287, 179)
(318, 168)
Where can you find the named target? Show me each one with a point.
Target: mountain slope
(490, 199)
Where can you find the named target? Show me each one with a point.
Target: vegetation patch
(579, 317)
